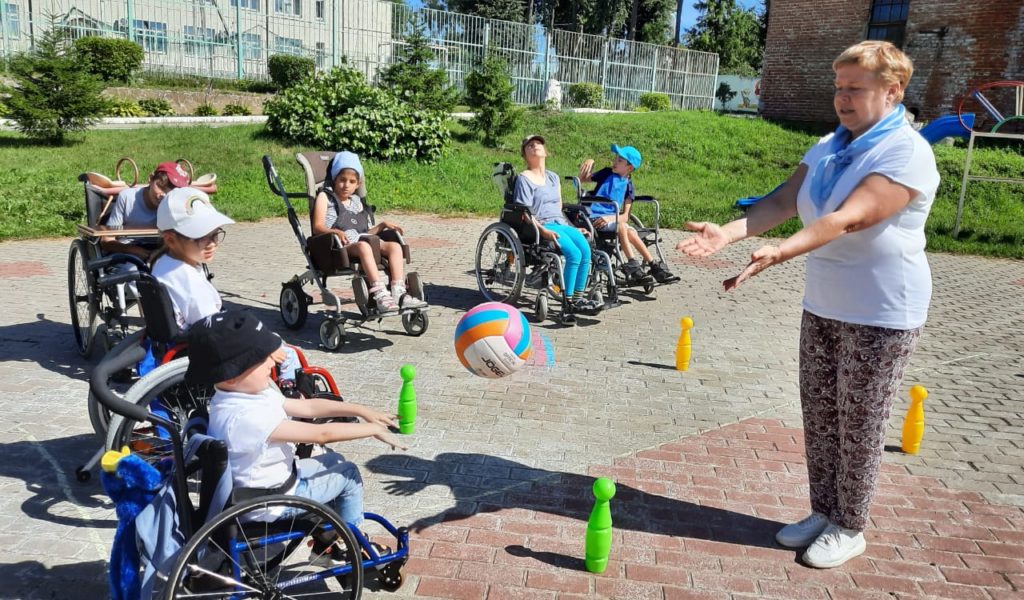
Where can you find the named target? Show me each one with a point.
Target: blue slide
(939, 129)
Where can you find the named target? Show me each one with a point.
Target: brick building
(955, 45)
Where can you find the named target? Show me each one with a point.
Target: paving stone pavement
(605, 392)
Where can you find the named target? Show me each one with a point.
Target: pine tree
(413, 78)
(729, 30)
(52, 95)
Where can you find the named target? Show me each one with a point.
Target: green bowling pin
(599, 527)
(407, 401)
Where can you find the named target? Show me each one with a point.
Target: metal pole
(131, 19)
(654, 70)
(239, 67)
(334, 32)
(963, 186)
(547, 56)
(3, 28)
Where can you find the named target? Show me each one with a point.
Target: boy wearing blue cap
(615, 184)
(339, 210)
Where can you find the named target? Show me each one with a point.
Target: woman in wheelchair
(541, 191)
(339, 211)
(233, 351)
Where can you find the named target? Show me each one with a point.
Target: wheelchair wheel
(233, 556)
(540, 306)
(500, 264)
(82, 298)
(162, 390)
(415, 323)
(332, 334)
(294, 305)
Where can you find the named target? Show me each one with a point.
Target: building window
(252, 46)
(321, 55)
(319, 7)
(288, 7)
(888, 21)
(10, 20)
(198, 41)
(152, 35)
(247, 4)
(284, 45)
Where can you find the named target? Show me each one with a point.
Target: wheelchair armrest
(115, 259)
(577, 185)
(392, 235)
(644, 199)
(111, 280)
(100, 387)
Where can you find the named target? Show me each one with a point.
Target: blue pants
(576, 250)
(332, 480)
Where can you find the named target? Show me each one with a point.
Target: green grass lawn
(697, 164)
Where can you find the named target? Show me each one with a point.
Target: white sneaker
(405, 299)
(835, 546)
(802, 533)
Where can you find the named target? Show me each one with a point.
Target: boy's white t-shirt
(192, 294)
(878, 276)
(245, 422)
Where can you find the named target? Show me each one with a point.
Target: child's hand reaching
(586, 170)
(371, 415)
(390, 439)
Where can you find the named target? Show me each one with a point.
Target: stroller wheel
(332, 334)
(293, 305)
(415, 323)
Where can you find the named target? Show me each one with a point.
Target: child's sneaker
(325, 555)
(405, 299)
(385, 301)
(635, 275)
(661, 273)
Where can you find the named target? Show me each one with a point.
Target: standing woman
(863, 194)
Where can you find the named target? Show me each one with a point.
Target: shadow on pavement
(481, 483)
(31, 579)
(47, 343)
(30, 461)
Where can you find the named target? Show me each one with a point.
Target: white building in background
(199, 37)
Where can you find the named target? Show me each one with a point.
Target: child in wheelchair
(192, 231)
(338, 210)
(234, 351)
(615, 183)
(541, 191)
(136, 208)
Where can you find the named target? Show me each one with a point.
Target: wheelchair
(234, 551)
(324, 259)
(91, 303)
(163, 388)
(511, 257)
(650, 234)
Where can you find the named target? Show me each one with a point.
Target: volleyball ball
(493, 340)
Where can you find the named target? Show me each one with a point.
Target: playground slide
(947, 126)
(941, 128)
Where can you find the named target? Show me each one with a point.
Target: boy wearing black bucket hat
(232, 350)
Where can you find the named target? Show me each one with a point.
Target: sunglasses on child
(214, 237)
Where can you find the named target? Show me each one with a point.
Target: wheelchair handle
(101, 375)
(116, 259)
(273, 179)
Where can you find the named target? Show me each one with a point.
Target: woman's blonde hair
(883, 59)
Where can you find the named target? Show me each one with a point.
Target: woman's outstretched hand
(710, 238)
(764, 257)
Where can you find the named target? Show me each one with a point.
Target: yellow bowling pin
(683, 345)
(913, 424)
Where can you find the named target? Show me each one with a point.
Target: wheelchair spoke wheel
(293, 305)
(163, 391)
(306, 552)
(82, 298)
(500, 264)
(415, 323)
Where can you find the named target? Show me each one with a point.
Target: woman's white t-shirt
(878, 276)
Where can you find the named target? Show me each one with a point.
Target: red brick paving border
(26, 268)
(694, 520)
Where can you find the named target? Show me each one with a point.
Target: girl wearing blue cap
(339, 210)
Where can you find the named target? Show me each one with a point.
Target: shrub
(110, 59)
(489, 95)
(586, 95)
(156, 107)
(340, 110)
(236, 110)
(413, 78)
(119, 107)
(52, 95)
(287, 70)
(205, 110)
(655, 101)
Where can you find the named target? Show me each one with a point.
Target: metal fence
(234, 38)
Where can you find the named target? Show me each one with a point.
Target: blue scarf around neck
(842, 151)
